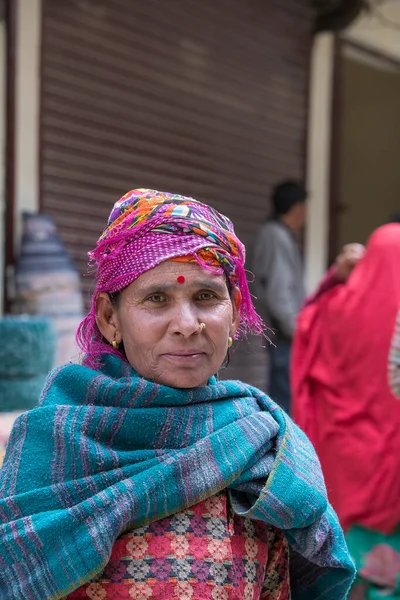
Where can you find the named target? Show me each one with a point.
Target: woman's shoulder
(65, 382)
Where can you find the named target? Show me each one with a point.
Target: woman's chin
(183, 380)
(181, 373)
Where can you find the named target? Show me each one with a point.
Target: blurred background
(218, 99)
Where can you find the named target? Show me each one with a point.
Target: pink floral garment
(202, 553)
(377, 559)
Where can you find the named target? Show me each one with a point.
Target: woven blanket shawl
(110, 451)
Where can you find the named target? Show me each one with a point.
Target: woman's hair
(148, 227)
(395, 217)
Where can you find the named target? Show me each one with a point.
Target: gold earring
(114, 344)
(202, 326)
(230, 342)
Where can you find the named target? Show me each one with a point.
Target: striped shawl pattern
(108, 451)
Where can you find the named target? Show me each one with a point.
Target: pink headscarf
(146, 228)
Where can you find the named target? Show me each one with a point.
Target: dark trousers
(279, 373)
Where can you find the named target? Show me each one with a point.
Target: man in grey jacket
(278, 270)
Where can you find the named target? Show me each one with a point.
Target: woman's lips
(185, 357)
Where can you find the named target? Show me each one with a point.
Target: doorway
(366, 144)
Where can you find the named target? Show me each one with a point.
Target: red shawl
(341, 396)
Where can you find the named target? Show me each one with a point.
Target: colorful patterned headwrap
(146, 228)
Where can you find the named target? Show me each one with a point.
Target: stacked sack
(26, 355)
(48, 284)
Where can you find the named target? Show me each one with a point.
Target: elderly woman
(141, 475)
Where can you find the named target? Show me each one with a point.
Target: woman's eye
(206, 296)
(156, 298)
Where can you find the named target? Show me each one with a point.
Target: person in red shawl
(343, 400)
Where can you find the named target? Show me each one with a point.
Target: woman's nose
(185, 320)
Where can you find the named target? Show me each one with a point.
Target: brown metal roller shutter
(202, 98)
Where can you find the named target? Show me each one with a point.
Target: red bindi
(181, 279)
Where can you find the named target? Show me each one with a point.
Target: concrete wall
(369, 30)
(371, 127)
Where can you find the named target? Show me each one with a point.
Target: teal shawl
(108, 451)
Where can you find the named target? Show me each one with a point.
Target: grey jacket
(277, 266)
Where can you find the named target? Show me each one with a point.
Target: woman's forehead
(173, 272)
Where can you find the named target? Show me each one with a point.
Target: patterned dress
(202, 553)
(394, 360)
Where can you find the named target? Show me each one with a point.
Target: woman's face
(157, 319)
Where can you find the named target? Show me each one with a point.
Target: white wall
(27, 108)
(27, 94)
(318, 171)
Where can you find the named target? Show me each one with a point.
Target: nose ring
(202, 326)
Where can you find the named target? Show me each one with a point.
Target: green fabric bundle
(27, 351)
